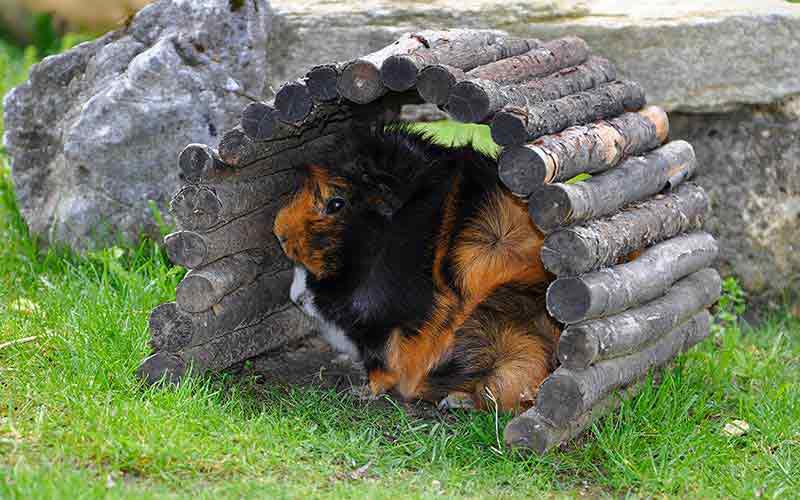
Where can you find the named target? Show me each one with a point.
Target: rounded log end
(194, 292)
(186, 249)
(293, 102)
(170, 329)
(530, 432)
(560, 399)
(435, 83)
(577, 349)
(195, 161)
(468, 103)
(195, 207)
(508, 129)
(549, 207)
(161, 366)
(321, 83)
(258, 121)
(568, 300)
(234, 147)
(522, 169)
(399, 73)
(361, 82)
(658, 117)
(565, 253)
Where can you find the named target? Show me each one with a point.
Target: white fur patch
(304, 298)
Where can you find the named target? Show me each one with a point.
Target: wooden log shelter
(558, 111)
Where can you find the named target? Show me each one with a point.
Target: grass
(75, 423)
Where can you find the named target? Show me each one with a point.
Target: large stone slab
(95, 132)
(690, 56)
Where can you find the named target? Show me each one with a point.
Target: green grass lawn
(75, 423)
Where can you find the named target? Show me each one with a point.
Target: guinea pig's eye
(334, 205)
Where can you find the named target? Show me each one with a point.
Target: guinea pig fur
(417, 260)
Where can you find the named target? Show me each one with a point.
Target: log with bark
(321, 81)
(615, 289)
(520, 124)
(581, 149)
(592, 341)
(293, 101)
(360, 80)
(435, 83)
(476, 100)
(636, 178)
(566, 394)
(399, 72)
(604, 242)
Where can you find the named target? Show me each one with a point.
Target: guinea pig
(420, 263)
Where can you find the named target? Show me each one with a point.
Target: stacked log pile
(631, 263)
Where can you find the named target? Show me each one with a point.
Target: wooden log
(534, 432)
(587, 343)
(360, 80)
(318, 136)
(605, 242)
(543, 60)
(259, 120)
(270, 331)
(197, 162)
(202, 207)
(293, 101)
(463, 50)
(517, 125)
(174, 329)
(194, 250)
(581, 149)
(202, 288)
(321, 82)
(475, 100)
(618, 288)
(566, 394)
(162, 366)
(435, 83)
(636, 178)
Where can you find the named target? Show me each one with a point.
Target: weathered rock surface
(750, 166)
(95, 132)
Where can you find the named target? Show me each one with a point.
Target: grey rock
(95, 132)
(749, 162)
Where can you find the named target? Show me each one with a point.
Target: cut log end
(564, 398)
(435, 83)
(186, 249)
(195, 207)
(293, 102)
(549, 206)
(568, 299)
(576, 348)
(195, 162)
(509, 128)
(399, 73)
(259, 120)
(469, 102)
(529, 431)
(361, 82)
(234, 147)
(520, 168)
(193, 291)
(562, 249)
(169, 329)
(321, 82)
(161, 366)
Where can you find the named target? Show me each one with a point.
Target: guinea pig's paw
(457, 400)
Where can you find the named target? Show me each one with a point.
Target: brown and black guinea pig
(419, 263)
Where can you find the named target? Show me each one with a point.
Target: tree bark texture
(581, 149)
(604, 242)
(636, 178)
(615, 289)
(475, 100)
(587, 343)
(566, 394)
(518, 125)
(399, 72)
